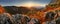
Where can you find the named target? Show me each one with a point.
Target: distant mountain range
(20, 10)
(14, 9)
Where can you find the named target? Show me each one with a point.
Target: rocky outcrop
(54, 3)
(17, 19)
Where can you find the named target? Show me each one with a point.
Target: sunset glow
(31, 4)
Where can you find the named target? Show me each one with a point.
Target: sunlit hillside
(28, 14)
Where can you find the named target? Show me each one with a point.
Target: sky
(19, 2)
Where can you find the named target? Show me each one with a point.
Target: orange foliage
(41, 15)
(1, 10)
